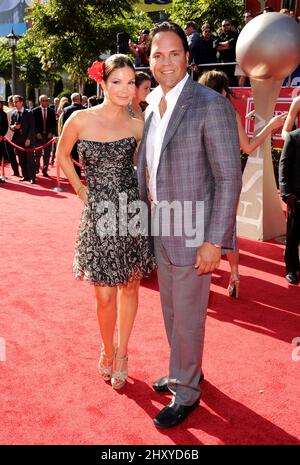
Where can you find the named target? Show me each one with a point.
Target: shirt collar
(155, 96)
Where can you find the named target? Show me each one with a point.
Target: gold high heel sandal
(105, 365)
(120, 372)
(234, 287)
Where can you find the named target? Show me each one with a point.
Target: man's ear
(187, 57)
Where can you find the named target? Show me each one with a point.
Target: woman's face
(143, 90)
(119, 88)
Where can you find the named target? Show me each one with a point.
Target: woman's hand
(278, 120)
(82, 194)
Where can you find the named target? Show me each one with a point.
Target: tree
(5, 59)
(74, 44)
(206, 11)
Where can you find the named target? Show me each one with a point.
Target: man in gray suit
(190, 154)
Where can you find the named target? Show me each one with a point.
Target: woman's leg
(234, 280)
(233, 259)
(127, 303)
(106, 304)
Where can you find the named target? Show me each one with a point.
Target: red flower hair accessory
(96, 71)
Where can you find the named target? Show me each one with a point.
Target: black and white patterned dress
(106, 254)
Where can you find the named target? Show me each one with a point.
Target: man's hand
(208, 258)
(38, 136)
(27, 142)
(291, 201)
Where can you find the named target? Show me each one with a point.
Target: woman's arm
(247, 144)
(291, 117)
(66, 142)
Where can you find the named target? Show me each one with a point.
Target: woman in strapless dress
(112, 250)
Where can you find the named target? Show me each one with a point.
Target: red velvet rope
(53, 140)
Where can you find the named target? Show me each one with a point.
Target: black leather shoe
(292, 278)
(32, 181)
(173, 414)
(46, 175)
(161, 385)
(23, 179)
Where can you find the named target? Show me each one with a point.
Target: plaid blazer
(199, 162)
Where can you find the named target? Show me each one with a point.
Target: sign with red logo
(244, 104)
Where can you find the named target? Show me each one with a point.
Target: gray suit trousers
(184, 298)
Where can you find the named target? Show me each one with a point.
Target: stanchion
(2, 177)
(58, 188)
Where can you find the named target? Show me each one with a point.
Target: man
(194, 43)
(75, 106)
(225, 44)
(45, 126)
(247, 17)
(190, 152)
(289, 183)
(139, 50)
(3, 131)
(22, 125)
(293, 115)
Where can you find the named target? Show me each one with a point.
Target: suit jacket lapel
(142, 149)
(180, 108)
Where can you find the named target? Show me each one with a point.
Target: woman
(218, 81)
(111, 260)
(142, 90)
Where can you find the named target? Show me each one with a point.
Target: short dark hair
(116, 61)
(140, 77)
(19, 97)
(190, 24)
(167, 26)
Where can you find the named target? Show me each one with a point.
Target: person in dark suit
(194, 42)
(190, 153)
(3, 131)
(22, 125)
(75, 106)
(45, 126)
(289, 183)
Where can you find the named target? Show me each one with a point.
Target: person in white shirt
(190, 151)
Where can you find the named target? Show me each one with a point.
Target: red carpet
(50, 389)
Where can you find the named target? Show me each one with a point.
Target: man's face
(226, 27)
(206, 33)
(247, 17)
(168, 59)
(188, 31)
(44, 101)
(18, 103)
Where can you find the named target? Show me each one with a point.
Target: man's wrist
(218, 246)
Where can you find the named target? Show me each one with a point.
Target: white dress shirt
(157, 129)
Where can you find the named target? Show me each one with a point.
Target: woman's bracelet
(82, 187)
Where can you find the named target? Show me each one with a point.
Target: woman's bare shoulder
(138, 127)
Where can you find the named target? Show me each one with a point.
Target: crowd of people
(24, 129)
(187, 150)
(217, 49)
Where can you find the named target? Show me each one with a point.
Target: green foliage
(73, 34)
(65, 93)
(206, 11)
(5, 59)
